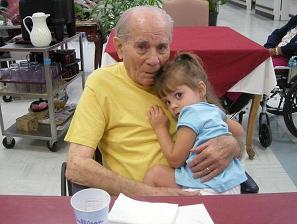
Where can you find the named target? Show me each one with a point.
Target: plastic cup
(91, 206)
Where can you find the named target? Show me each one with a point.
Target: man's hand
(214, 156)
(157, 118)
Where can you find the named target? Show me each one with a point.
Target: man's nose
(153, 58)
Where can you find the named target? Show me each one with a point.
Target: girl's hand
(157, 118)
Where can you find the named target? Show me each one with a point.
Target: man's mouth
(151, 73)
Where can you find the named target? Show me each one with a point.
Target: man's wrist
(237, 146)
(275, 51)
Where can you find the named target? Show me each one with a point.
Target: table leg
(98, 52)
(251, 125)
(93, 35)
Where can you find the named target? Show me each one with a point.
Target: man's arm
(83, 170)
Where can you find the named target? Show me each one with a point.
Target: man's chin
(148, 83)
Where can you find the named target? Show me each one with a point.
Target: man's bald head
(141, 15)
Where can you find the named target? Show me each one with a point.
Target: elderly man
(111, 114)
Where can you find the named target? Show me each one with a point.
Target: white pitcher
(40, 35)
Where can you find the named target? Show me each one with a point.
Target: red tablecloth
(224, 209)
(227, 55)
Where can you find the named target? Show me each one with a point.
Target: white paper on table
(129, 211)
(193, 214)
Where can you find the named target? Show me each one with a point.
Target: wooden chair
(187, 12)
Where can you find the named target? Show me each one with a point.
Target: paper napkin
(129, 211)
(193, 214)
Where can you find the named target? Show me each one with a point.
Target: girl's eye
(167, 102)
(178, 95)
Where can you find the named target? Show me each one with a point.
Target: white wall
(266, 3)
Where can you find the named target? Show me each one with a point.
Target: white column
(281, 9)
(284, 15)
(249, 4)
(277, 9)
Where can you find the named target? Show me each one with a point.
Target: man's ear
(118, 44)
(202, 88)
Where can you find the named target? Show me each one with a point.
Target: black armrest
(67, 187)
(249, 186)
(63, 179)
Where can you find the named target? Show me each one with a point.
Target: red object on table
(227, 55)
(231, 209)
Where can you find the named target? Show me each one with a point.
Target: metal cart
(49, 131)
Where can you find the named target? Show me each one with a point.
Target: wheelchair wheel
(290, 110)
(265, 135)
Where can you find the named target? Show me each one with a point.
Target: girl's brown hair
(185, 69)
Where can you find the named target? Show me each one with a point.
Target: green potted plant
(214, 10)
(107, 12)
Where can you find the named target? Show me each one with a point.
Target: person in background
(184, 87)
(282, 43)
(111, 115)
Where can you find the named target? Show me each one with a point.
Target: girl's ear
(118, 44)
(202, 89)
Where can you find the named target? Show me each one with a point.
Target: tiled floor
(30, 168)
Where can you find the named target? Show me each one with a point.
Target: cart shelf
(48, 132)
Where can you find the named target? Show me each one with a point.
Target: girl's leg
(160, 176)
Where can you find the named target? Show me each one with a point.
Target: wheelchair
(235, 107)
(286, 90)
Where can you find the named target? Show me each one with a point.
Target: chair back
(187, 12)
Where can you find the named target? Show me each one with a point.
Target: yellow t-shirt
(112, 114)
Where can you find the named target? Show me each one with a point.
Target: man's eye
(141, 48)
(163, 48)
(178, 95)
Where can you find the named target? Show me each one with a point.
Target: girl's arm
(235, 128)
(176, 152)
